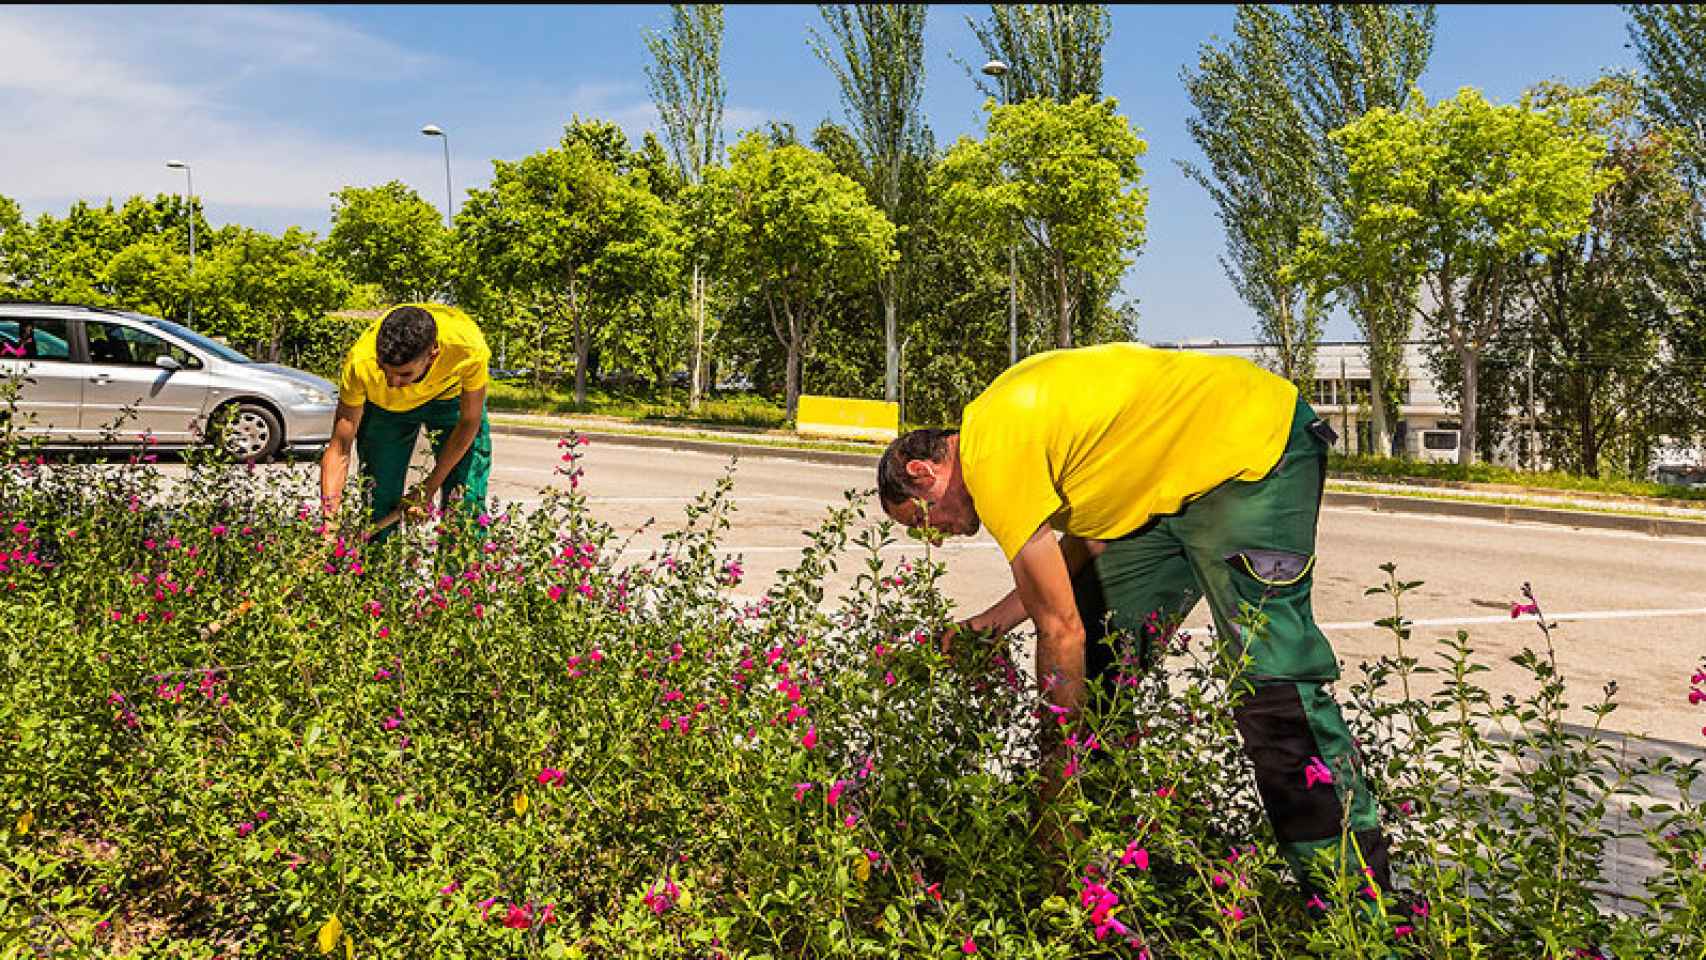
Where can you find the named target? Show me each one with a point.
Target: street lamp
(190, 181)
(432, 130)
(998, 70)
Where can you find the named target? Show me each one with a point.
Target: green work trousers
(385, 443)
(1251, 546)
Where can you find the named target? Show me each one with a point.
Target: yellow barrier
(848, 419)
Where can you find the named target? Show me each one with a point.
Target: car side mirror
(167, 362)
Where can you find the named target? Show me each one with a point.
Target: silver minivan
(90, 375)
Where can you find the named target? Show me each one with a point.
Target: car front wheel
(248, 431)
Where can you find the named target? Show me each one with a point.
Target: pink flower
(800, 791)
(834, 795)
(382, 674)
(1698, 678)
(551, 776)
(450, 887)
(660, 901)
(1695, 696)
(245, 828)
(888, 677)
(850, 821)
(796, 713)
(374, 607)
(1403, 930)
(1518, 609)
(1315, 902)
(1236, 913)
(555, 592)
(1164, 792)
(1135, 856)
(219, 529)
(1408, 807)
(1315, 773)
(810, 739)
(968, 946)
(519, 917)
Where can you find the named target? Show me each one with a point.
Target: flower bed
(224, 733)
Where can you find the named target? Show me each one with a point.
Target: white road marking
(1506, 618)
(1524, 525)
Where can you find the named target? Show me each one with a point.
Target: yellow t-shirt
(461, 365)
(1096, 441)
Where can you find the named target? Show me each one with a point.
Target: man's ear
(920, 471)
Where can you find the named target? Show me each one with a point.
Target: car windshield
(184, 333)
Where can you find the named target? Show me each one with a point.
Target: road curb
(1513, 513)
(1377, 502)
(690, 445)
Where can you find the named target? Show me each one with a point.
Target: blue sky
(276, 107)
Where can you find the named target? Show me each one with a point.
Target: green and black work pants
(385, 444)
(1252, 544)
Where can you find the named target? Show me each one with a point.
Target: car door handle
(101, 378)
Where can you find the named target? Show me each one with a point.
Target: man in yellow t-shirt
(422, 365)
(1168, 476)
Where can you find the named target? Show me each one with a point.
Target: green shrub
(226, 731)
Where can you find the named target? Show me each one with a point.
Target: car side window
(31, 339)
(117, 343)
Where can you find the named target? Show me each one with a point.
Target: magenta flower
(1135, 856)
(1316, 903)
(1236, 913)
(797, 713)
(850, 821)
(834, 796)
(810, 739)
(1518, 609)
(551, 776)
(450, 888)
(661, 900)
(1315, 773)
(1403, 930)
(555, 592)
(968, 946)
(1695, 696)
(800, 791)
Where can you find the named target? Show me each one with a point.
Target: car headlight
(313, 395)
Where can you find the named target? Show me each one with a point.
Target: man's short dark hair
(406, 335)
(893, 485)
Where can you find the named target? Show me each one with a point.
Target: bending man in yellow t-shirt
(1169, 476)
(421, 365)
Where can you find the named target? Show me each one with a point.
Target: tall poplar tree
(876, 51)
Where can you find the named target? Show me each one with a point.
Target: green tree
(387, 235)
(575, 236)
(686, 81)
(1605, 372)
(267, 293)
(792, 229)
(1345, 59)
(1670, 39)
(1263, 175)
(876, 51)
(1452, 196)
(1065, 175)
(1053, 51)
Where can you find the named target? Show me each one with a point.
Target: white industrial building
(1425, 430)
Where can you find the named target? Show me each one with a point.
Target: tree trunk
(792, 381)
(1063, 332)
(695, 379)
(891, 341)
(1470, 360)
(582, 348)
(1377, 402)
(1590, 436)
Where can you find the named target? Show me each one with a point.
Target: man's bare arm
(461, 439)
(1009, 611)
(1045, 588)
(334, 463)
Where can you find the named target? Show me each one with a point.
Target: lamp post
(189, 179)
(998, 70)
(433, 130)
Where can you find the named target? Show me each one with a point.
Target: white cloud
(97, 101)
(274, 108)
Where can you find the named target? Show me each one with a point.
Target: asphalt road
(1630, 607)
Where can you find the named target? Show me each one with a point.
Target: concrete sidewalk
(1498, 503)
